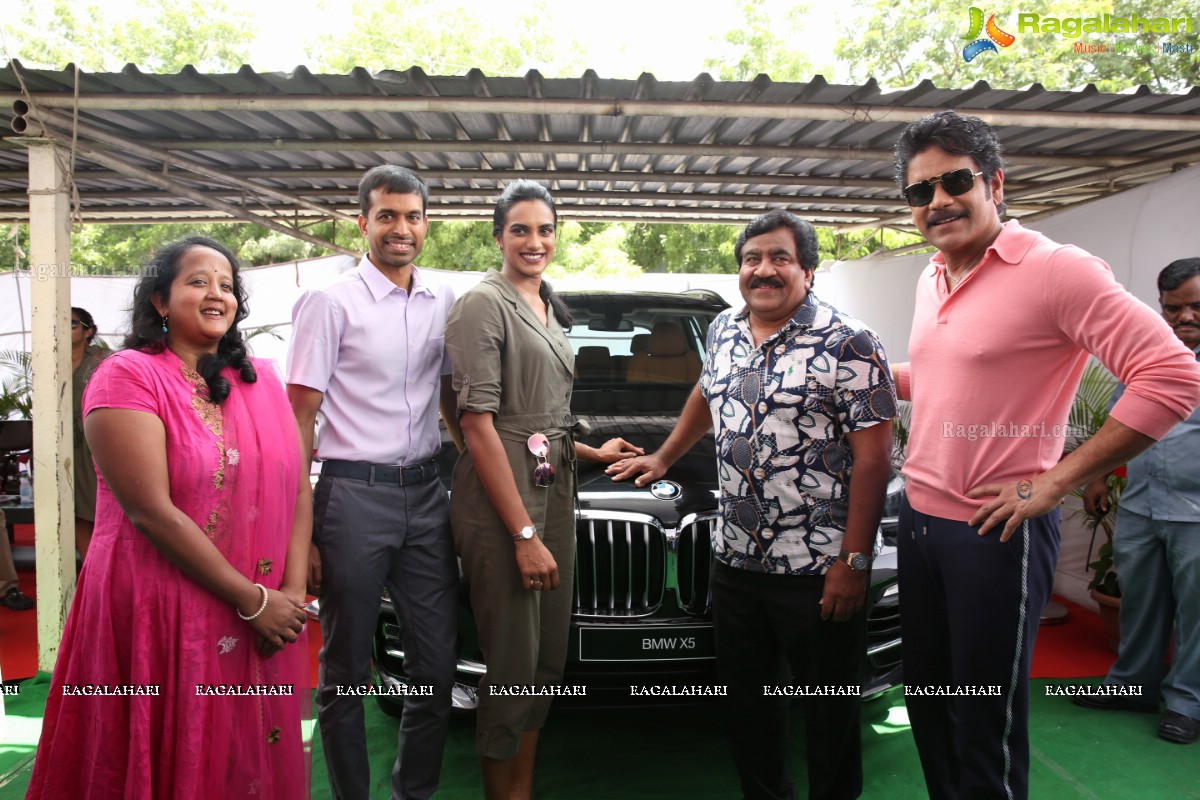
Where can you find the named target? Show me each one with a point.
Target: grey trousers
(372, 536)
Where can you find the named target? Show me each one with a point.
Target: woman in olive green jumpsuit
(512, 500)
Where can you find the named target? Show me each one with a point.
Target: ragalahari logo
(995, 36)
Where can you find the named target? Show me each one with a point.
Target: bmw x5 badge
(666, 490)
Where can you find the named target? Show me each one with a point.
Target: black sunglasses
(955, 182)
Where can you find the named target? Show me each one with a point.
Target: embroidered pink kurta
(139, 625)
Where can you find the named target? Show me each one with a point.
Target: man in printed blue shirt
(801, 398)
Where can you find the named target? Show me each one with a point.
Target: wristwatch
(524, 534)
(859, 562)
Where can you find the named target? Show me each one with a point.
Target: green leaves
(448, 38)
(159, 36)
(16, 390)
(901, 44)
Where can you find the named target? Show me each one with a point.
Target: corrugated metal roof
(291, 147)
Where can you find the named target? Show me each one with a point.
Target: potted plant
(1103, 586)
(1088, 412)
(16, 390)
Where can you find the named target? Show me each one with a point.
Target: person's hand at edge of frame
(314, 571)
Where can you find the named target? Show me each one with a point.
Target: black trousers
(969, 612)
(768, 626)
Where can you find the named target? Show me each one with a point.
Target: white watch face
(526, 532)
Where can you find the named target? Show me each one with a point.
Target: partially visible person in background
(85, 357)
(11, 595)
(1156, 548)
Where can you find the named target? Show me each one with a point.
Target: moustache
(769, 282)
(945, 216)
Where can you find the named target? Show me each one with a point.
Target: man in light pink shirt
(1004, 322)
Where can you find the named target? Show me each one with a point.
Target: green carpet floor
(645, 753)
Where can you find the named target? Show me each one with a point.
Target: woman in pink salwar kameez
(181, 669)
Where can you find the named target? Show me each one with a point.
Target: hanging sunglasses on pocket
(543, 473)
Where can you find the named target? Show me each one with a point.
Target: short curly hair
(807, 247)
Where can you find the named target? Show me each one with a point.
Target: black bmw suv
(642, 614)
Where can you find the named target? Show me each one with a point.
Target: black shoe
(16, 600)
(1175, 727)
(1115, 702)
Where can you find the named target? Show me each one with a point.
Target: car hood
(695, 472)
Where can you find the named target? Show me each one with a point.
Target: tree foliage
(759, 43)
(834, 246)
(682, 248)
(459, 245)
(159, 36)
(926, 40)
(448, 38)
(598, 255)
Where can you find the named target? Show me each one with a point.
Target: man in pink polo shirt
(1004, 322)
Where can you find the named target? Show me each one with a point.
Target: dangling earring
(164, 323)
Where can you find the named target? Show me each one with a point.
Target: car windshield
(636, 355)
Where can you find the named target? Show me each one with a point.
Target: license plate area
(646, 643)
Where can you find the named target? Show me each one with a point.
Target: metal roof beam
(451, 211)
(595, 148)
(66, 126)
(110, 101)
(431, 175)
(237, 212)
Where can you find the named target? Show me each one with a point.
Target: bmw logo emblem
(666, 490)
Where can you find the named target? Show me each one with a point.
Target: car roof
(694, 298)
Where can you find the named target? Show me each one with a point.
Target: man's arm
(1159, 385)
(694, 422)
(1113, 445)
(871, 448)
(1160, 376)
(306, 402)
(448, 404)
(902, 378)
